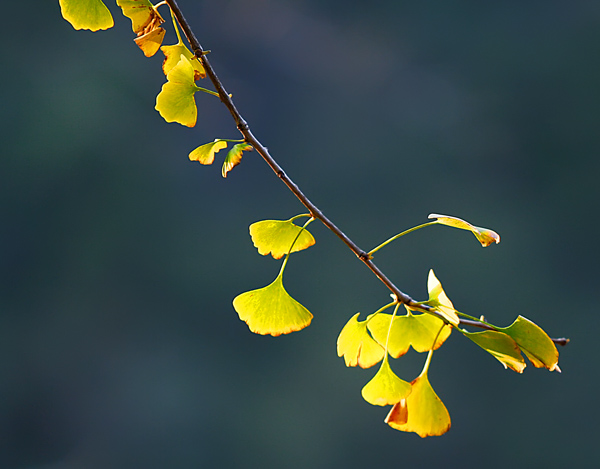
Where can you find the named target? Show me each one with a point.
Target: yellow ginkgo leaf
(422, 412)
(142, 14)
(357, 346)
(385, 388)
(205, 154)
(276, 237)
(86, 14)
(484, 235)
(501, 346)
(176, 102)
(439, 301)
(416, 330)
(151, 41)
(173, 55)
(271, 310)
(234, 157)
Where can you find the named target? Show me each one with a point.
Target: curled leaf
(534, 342)
(418, 330)
(150, 42)
(234, 157)
(484, 235)
(276, 237)
(422, 412)
(385, 388)
(176, 102)
(501, 346)
(87, 14)
(205, 154)
(357, 346)
(271, 310)
(439, 300)
(144, 17)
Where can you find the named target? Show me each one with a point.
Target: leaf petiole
(393, 238)
(287, 256)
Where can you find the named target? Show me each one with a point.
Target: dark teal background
(119, 258)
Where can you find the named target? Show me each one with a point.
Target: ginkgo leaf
(87, 14)
(173, 56)
(150, 42)
(276, 237)
(234, 157)
(142, 14)
(439, 300)
(385, 388)
(205, 154)
(534, 342)
(484, 235)
(418, 330)
(176, 102)
(422, 412)
(271, 310)
(357, 346)
(501, 346)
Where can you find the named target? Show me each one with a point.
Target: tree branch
(315, 212)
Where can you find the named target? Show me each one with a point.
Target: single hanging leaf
(276, 237)
(234, 157)
(439, 301)
(416, 330)
(422, 412)
(271, 310)
(176, 102)
(534, 342)
(385, 388)
(357, 346)
(173, 55)
(87, 14)
(144, 17)
(484, 235)
(150, 42)
(205, 154)
(501, 346)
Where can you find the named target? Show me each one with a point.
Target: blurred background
(119, 257)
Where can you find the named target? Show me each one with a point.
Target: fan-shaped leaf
(173, 56)
(534, 342)
(176, 102)
(234, 157)
(205, 154)
(484, 235)
(418, 330)
(142, 14)
(87, 14)
(276, 237)
(385, 388)
(357, 346)
(501, 346)
(271, 310)
(422, 412)
(439, 301)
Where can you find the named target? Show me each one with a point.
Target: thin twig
(315, 212)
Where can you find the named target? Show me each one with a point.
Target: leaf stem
(393, 238)
(308, 222)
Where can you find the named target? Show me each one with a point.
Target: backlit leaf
(422, 412)
(439, 301)
(385, 388)
(501, 346)
(534, 342)
(357, 346)
(271, 310)
(150, 42)
(276, 237)
(173, 56)
(484, 235)
(234, 157)
(142, 14)
(418, 330)
(86, 14)
(176, 102)
(205, 154)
